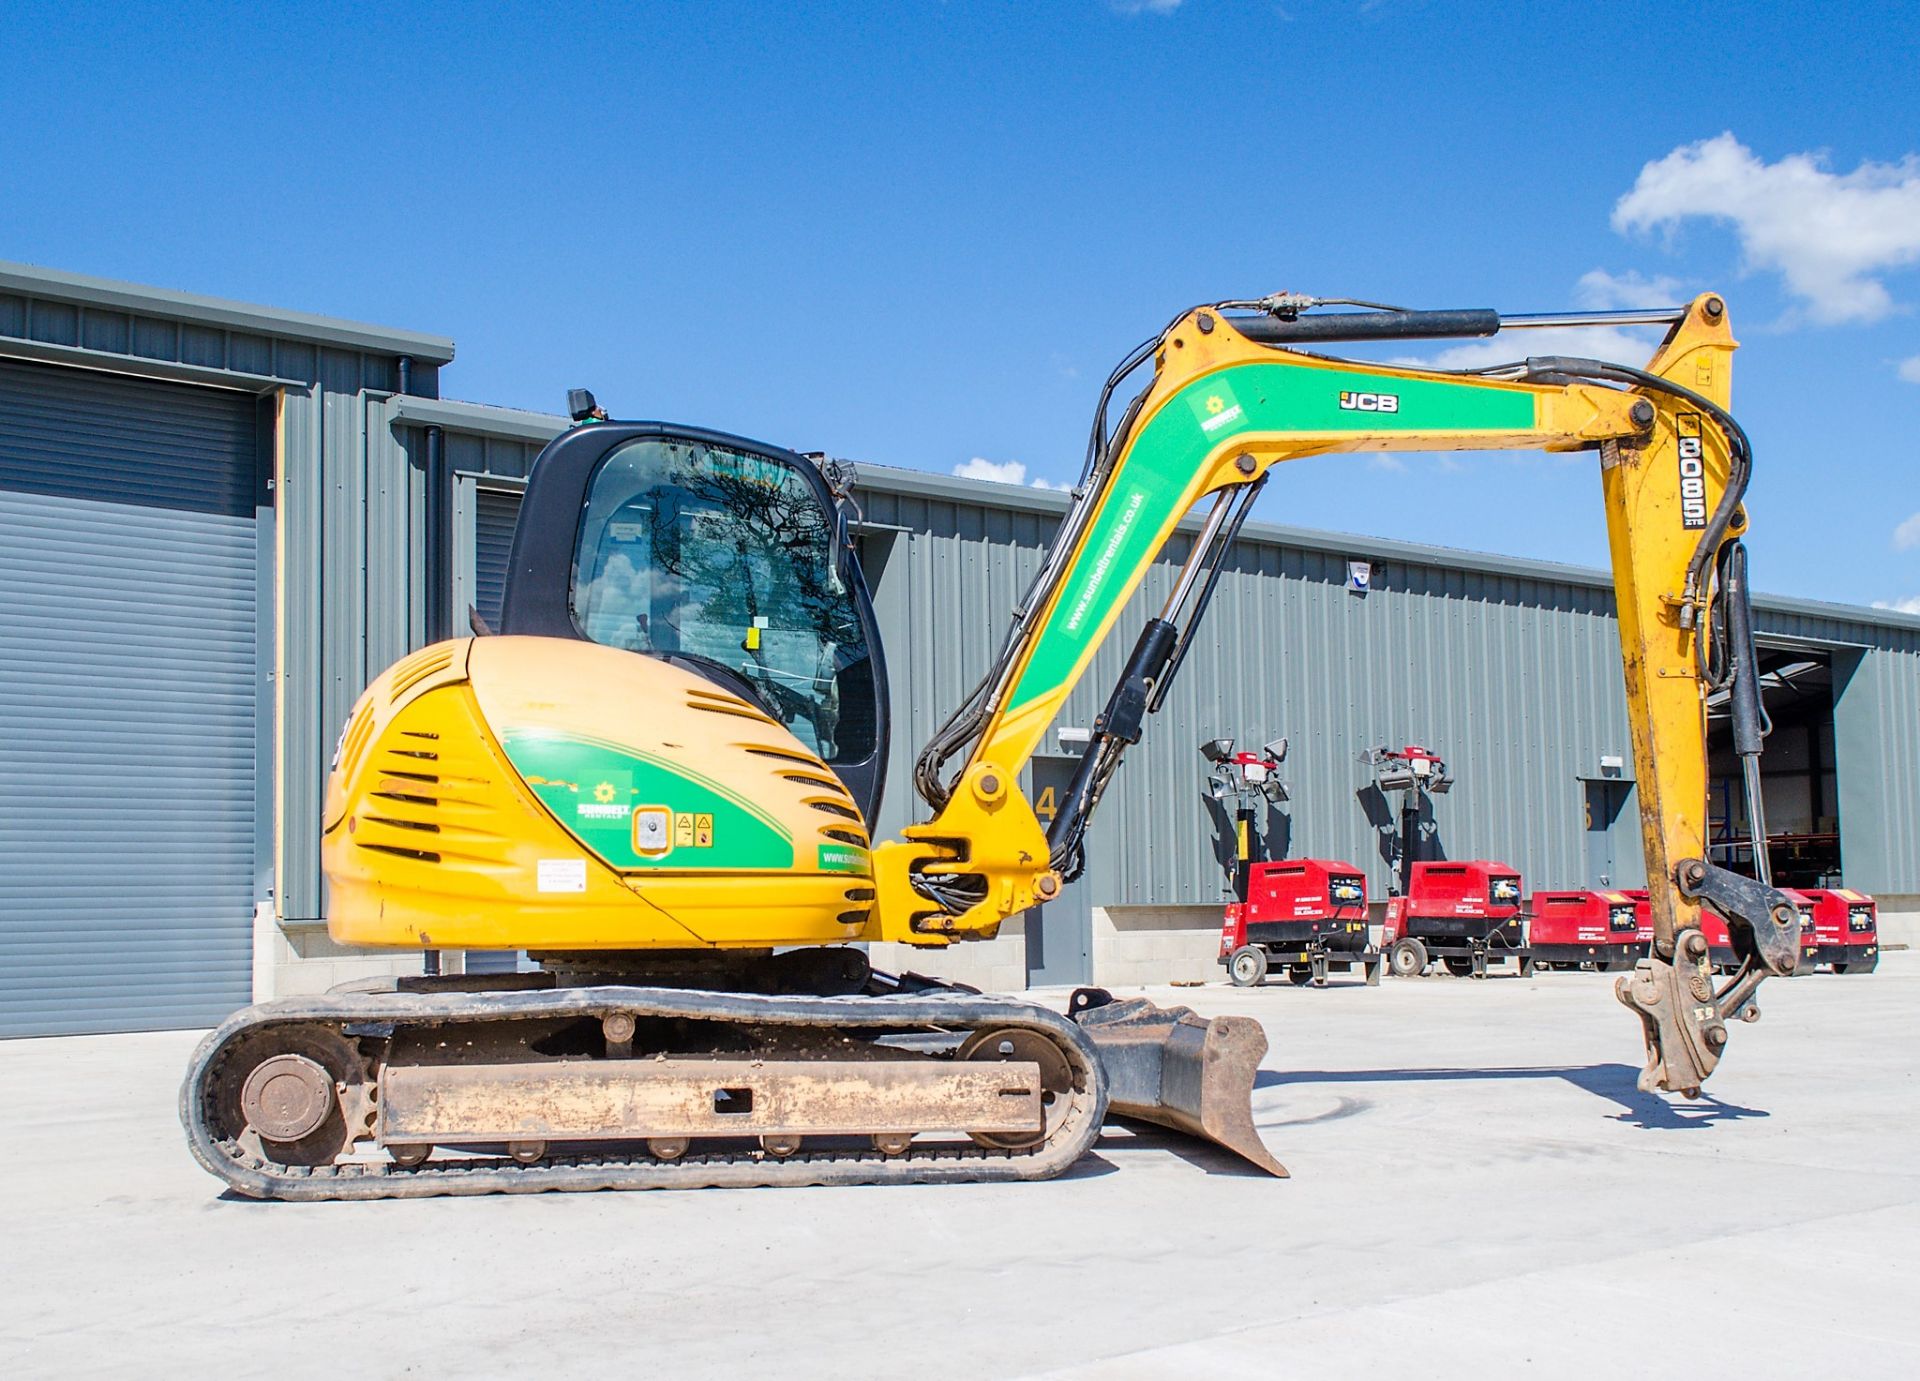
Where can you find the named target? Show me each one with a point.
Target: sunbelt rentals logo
(1215, 406)
(606, 798)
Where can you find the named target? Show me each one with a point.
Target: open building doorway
(1799, 788)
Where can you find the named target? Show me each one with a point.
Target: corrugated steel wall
(1876, 739)
(149, 336)
(356, 582)
(1513, 677)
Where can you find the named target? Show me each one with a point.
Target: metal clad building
(220, 521)
(162, 458)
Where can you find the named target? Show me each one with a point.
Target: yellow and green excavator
(657, 778)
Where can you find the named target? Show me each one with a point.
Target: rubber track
(948, 1164)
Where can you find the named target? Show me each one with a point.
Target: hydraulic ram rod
(1436, 325)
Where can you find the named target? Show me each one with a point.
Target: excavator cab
(722, 556)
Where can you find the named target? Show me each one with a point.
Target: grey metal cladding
(354, 519)
(59, 299)
(1876, 725)
(128, 686)
(495, 514)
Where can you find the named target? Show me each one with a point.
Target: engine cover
(546, 793)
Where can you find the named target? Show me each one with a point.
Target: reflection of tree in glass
(744, 541)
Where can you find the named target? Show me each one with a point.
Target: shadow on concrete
(1617, 1083)
(1090, 1166)
(1149, 1136)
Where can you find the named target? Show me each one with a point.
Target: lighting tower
(1411, 772)
(1244, 779)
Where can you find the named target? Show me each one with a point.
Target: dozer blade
(1167, 1065)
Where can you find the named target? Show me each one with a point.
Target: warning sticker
(562, 875)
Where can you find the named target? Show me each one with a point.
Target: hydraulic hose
(1740, 468)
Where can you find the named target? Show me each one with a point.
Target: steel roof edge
(216, 311)
(926, 484)
(481, 419)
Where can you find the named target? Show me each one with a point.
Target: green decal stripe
(712, 784)
(843, 858)
(593, 786)
(1299, 398)
(1161, 461)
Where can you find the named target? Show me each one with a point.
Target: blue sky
(921, 233)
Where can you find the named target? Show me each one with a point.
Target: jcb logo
(1693, 471)
(1370, 402)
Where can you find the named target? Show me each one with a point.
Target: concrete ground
(1478, 1190)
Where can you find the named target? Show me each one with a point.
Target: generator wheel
(1247, 966)
(1459, 967)
(1299, 974)
(1841, 968)
(1407, 958)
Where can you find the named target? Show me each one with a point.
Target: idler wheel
(1056, 1080)
(287, 1097)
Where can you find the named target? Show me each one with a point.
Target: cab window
(706, 553)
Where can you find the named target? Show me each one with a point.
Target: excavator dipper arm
(1231, 396)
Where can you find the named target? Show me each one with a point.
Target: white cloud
(999, 471)
(1910, 369)
(1600, 291)
(1142, 7)
(1002, 472)
(1907, 535)
(1909, 605)
(1830, 236)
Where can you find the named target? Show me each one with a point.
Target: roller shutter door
(495, 511)
(128, 676)
(494, 515)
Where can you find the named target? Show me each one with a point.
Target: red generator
(1571, 930)
(1846, 928)
(1463, 914)
(1809, 932)
(1720, 942)
(1307, 914)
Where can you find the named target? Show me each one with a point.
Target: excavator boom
(1232, 395)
